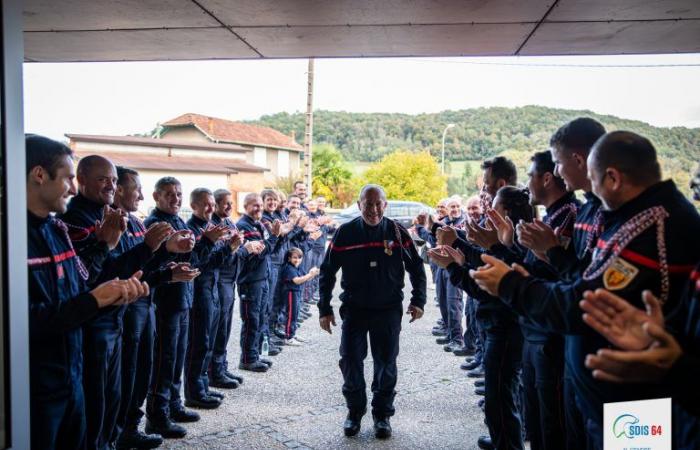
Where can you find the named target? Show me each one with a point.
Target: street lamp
(451, 125)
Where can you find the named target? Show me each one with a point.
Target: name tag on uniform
(373, 263)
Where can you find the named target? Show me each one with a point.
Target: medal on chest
(387, 247)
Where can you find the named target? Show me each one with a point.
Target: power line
(587, 66)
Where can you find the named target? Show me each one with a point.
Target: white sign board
(638, 425)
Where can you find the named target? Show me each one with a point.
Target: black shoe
(351, 426)
(205, 402)
(485, 443)
(442, 340)
(481, 403)
(479, 382)
(182, 415)
(439, 332)
(223, 382)
(267, 362)
(274, 351)
(233, 376)
(463, 351)
(382, 427)
(136, 439)
(452, 346)
(216, 394)
(469, 365)
(476, 373)
(256, 366)
(166, 428)
(276, 341)
(480, 391)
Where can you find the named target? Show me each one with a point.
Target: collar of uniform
(35, 221)
(249, 219)
(161, 213)
(217, 219)
(84, 203)
(269, 216)
(367, 227)
(651, 196)
(591, 197)
(455, 221)
(198, 221)
(569, 197)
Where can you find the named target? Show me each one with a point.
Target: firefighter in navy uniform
(203, 323)
(97, 178)
(651, 354)
(373, 252)
(252, 283)
(164, 408)
(570, 146)
(647, 242)
(219, 374)
(59, 300)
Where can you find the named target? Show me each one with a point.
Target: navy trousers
(203, 325)
(452, 297)
(58, 423)
(271, 306)
(252, 297)
(168, 362)
(137, 361)
(543, 382)
(290, 316)
(472, 332)
(383, 328)
(227, 299)
(502, 363)
(101, 383)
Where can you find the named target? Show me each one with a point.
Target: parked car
(399, 210)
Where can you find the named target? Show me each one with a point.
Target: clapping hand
(484, 237)
(182, 272)
(446, 235)
(109, 230)
(215, 232)
(537, 236)
(254, 247)
(620, 322)
(181, 241)
(505, 229)
(156, 234)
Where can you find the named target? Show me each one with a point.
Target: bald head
(632, 155)
(97, 179)
(372, 204)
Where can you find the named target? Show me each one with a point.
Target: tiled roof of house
(150, 142)
(240, 133)
(176, 163)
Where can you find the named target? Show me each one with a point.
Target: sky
(133, 97)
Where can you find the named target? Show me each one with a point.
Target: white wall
(189, 181)
(260, 157)
(283, 163)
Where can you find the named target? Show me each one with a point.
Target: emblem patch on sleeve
(619, 275)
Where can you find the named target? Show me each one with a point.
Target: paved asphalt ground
(298, 403)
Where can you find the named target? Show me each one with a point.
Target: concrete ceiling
(135, 30)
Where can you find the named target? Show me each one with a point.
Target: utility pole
(309, 130)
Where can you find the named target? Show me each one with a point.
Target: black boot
(131, 437)
(166, 428)
(351, 426)
(382, 427)
(485, 443)
(183, 415)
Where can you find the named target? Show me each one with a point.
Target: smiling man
(374, 252)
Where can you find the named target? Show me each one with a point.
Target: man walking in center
(373, 251)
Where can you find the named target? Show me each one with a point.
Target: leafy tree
(409, 176)
(330, 174)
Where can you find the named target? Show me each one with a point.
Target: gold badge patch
(619, 275)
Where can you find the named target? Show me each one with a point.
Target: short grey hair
(372, 187)
(197, 193)
(250, 197)
(219, 194)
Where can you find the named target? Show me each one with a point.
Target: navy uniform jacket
(154, 271)
(59, 303)
(283, 242)
(255, 268)
(228, 272)
(210, 257)
(587, 229)
(373, 260)
(80, 218)
(320, 243)
(684, 323)
(554, 306)
(172, 297)
(560, 214)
